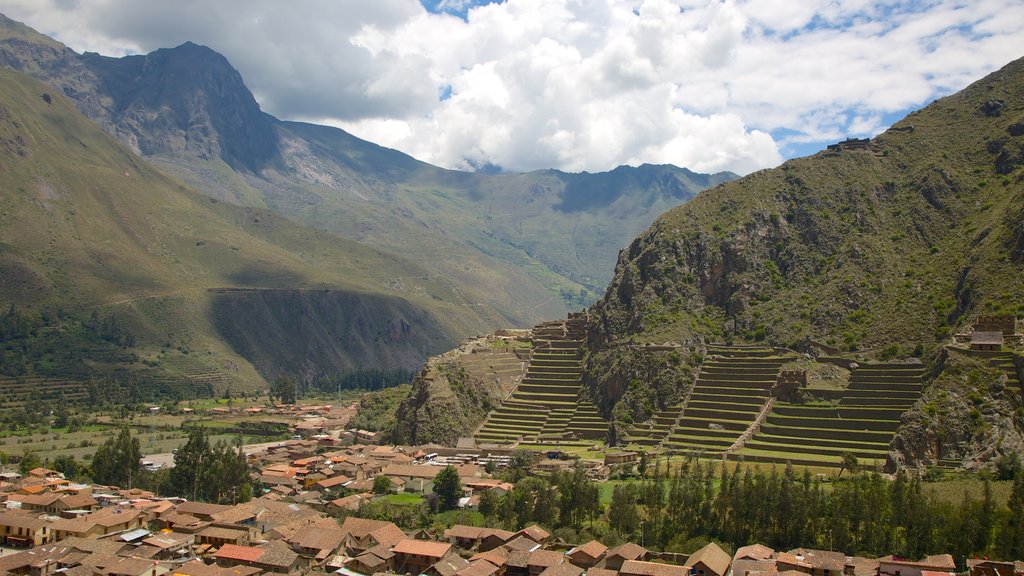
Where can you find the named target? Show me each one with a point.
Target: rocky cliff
(453, 392)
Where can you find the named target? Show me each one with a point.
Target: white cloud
(574, 84)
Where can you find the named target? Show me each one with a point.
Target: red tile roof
(240, 553)
(422, 548)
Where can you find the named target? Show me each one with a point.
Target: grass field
(403, 499)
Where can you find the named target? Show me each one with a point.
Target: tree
(66, 465)
(285, 389)
(118, 460)
(29, 461)
(186, 478)
(578, 497)
(849, 462)
(448, 488)
(641, 466)
(212, 474)
(381, 484)
(622, 512)
(1011, 537)
(489, 503)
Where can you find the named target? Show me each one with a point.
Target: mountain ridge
(486, 231)
(88, 227)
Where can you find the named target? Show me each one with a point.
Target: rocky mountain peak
(202, 106)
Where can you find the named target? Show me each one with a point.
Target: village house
(275, 556)
(317, 542)
(541, 560)
(892, 566)
(450, 565)
(220, 534)
(375, 560)
(170, 545)
(587, 555)
(641, 568)
(616, 557)
(480, 568)
(476, 538)
(752, 559)
(99, 523)
(535, 533)
(201, 510)
(415, 556)
(24, 530)
(361, 534)
(980, 567)
(710, 561)
(563, 570)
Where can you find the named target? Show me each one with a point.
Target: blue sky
(577, 85)
(458, 8)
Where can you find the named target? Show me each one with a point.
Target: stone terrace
(732, 389)
(546, 403)
(862, 423)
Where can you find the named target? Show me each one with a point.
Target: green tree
(489, 503)
(381, 484)
(186, 478)
(285, 389)
(848, 461)
(578, 497)
(29, 461)
(66, 465)
(118, 460)
(622, 512)
(448, 488)
(1011, 537)
(210, 473)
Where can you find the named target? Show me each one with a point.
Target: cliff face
(453, 392)
(971, 414)
(871, 247)
(185, 100)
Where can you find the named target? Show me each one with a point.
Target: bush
(1007, 466)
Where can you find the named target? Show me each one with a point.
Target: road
(166, 460)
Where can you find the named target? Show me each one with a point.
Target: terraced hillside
(546, 405)
(863, 422)
(456, 390)
(15, 392)
(732, 390)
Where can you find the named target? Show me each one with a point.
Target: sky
(578, 85)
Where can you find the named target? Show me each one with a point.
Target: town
(323, 507)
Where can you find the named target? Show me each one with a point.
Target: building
(987, 341)
(99, 523)
(587, 555)
(415, 556)
(616, 557)
(361, 534)
(641, 568)
(710, 561)
(893, 566)
(24, 530)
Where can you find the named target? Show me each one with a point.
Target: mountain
(112, 268)
(874, 249)
(530, 246)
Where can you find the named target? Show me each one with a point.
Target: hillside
(101, 250)
(880, 250)
(529, 246)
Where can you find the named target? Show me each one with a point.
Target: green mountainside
(877, 250)
(100, 252)
(529, 246)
